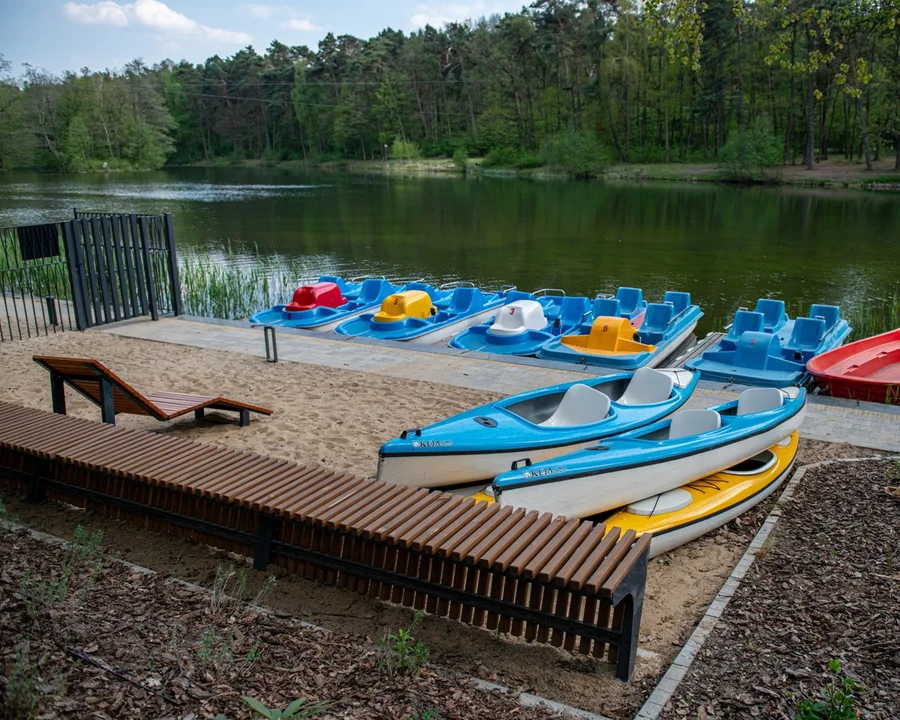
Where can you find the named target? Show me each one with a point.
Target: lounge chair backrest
(606, 307)
(746, 321)
(679, 300)
(694, 422)
(754, 400)
(807, 334)
(581, 405)
(829, 313)
(772, 310)
(629, 298)
(658, 317)
(646, 387)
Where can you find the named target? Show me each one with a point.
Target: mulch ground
(826, 586)
(109, 641)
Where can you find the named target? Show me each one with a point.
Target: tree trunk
(789, 130)
(861, 111)
(808, 159)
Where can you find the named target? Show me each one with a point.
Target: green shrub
(752, 155)
(405, 150)
(837, 700)
(509, 157)
(577, 152)
(460, 158)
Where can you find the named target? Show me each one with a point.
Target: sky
(60, 35)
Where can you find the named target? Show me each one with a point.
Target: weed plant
(400, 652)
(837, 701)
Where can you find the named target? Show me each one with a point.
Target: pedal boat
(613, 342)
(423, 314)
(478, 444)
(652, 460)
(768, 349)
(684, 514)
(323, 305)
(867, 370)
(522, 327)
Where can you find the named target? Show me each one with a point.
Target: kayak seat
(756, 400)
(806, 336)
(830, 314)
(753, 350)
(629, 299)
(693, 422)
(571, 310)
(678, 300)
(773, 313)
(658, 317)
(518, 317)
(581, 405)
(646, 387)
(606, 307)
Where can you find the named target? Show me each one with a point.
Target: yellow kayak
(681, 515)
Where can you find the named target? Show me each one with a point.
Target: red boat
(863, 370)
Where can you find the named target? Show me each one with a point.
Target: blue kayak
(766, 348)
(692, 444)
(614, 342)
(324, 304)
(480, 443)
(422, 313)
(522, 327)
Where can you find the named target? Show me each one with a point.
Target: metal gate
(96, 269)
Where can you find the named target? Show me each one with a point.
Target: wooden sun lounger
(113, 395)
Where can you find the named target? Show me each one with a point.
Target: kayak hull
(714, 500)
(633, 466)
(867, 370)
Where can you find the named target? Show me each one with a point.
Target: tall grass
(877, 316)
(233, 286)
(39, 277)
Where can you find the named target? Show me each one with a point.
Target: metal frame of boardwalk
(572, 85)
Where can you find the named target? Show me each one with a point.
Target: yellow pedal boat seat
(406, 304)
(609, 336)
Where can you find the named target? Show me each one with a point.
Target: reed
(877, 316)
(41, 277)
(232, 285)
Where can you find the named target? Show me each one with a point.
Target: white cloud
(260, 12)
(298, 24)
(438, 15)
(150, 14)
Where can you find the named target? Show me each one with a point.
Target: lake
(725, 245)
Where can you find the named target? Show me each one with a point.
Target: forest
(573, 83)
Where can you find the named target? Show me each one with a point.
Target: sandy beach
(339, 418)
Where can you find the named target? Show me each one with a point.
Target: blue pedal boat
(765, 347)
(522, 327)
(422, 314)
(478, 444)
(323, 305)
(613, 342)
(692, 444)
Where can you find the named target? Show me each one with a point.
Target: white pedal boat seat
(646, 387)
(754, 400)
(581, 405)
(517, 317)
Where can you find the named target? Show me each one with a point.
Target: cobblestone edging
(669, 682)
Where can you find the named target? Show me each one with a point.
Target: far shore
(839, 174)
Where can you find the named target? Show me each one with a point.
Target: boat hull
(866, 370)
(583, 486)
(715, 501)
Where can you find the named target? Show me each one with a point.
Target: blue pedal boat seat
(830, 314)
(773, 313)
(631, 301)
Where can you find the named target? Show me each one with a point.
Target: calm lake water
(725, 245)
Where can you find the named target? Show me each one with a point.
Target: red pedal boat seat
(323, 294)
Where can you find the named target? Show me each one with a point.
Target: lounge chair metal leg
(57, 393)
(244, 418)
(199, 414)
(107, 403)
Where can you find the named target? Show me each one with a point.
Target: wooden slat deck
(528, 574)
(113, 395)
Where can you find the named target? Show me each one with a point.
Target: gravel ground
(826, 586)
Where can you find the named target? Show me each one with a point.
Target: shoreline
(827, 175)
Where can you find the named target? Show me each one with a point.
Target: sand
(339, 418)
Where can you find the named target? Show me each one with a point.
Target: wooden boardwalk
(570, 583)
